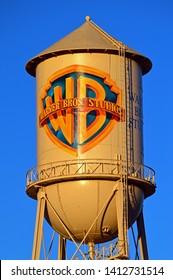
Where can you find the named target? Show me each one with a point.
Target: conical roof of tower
(88, 38)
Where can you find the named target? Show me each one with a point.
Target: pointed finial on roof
(87, 18)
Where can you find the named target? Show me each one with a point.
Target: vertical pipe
(91, 250)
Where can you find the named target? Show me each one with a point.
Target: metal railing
(108, 251)
(89, 167)
(103, 252)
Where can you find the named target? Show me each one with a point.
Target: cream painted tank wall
(112, 145)
(78, 202)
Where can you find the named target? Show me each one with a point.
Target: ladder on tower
(127, 146)
(129, 111)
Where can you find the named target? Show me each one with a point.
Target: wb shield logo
(80, 106)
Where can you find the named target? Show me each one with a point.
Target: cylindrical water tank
(89, 132)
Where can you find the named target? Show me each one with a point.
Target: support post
(38, 225)
(142, 237)
(122, 231)
(61, 248)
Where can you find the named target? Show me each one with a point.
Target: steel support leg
(122, 233)
(142, 237)
(38, 225)
(61, 248)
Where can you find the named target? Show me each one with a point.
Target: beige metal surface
(87, 38)
(78, 205)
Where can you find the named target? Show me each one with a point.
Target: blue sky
(27, 28)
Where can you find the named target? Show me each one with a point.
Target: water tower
(90, 180)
